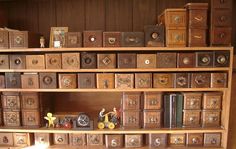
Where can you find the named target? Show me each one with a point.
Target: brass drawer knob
(147, 62)
(186, 60)
(18, 40)
(47, 80)
(111, 40)
(106, 60)
(53, 61)
(114, 143)
(87, 60)
(213, 141)
(132, 102)
(221, 59)
(73, 40)
(92, 38)
(35, 61)
(222, 35)
(195, 140)
(30, 101)
(163, 80)
(70, 60)
(177, 19)
(60, 139)
(132, 120)
(177, 140)
(223, 18)
(205, 59)
(105, 83)
(199, 18)
(2, 62)
(5, 140)
(21, 140)
(181, 81)
(155, 35)
(67, 82)
(153, 102)
(17, 61)
(157, 142)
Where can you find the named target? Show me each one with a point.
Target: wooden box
(192, 101)
(6, 139)
(154, 35)
(95, 139)
(127, 60)
(44, 139)
(157, 140)
(212, 139)
(197, 37)
(132, 39)
(191, 118)
(222, 59)
(22, 139)
(176, 140)
(200, 80)
(146, 61)
(88, 60)
(35, 62)
(221, 17)
(221, 36)
(30, 81)
(60, 139)
(67, 81)
(11, 102)
(114, 141)
(182, 80)
(86, 80)
(47, 80)
(221, 3)
(194, 139)
(73, 39)
(92, 38)
(30, 118)
(152, 100)
(4, 40)
(163, 80)
(4, 61)
(219, 80)
(106, 61)
(77, 139)
(176, 37)
(29, 101)
(17, 62)
(211, 118)
(131, 101)
(143, 80)
(53, 61)
(105, 80)
(13, 79)
(204, 59)
(124, 81)
(166, 60)
(70, 60)
(173, 18)
(131, 119)
(186, 60)
(11, 118)
(212, 101)
(152, 119)
(111, 39)
(133, 140)
(2, 81)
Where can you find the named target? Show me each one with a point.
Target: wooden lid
(196, 6)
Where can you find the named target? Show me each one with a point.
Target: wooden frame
(57, 34)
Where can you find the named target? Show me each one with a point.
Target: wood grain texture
(3, 14)
(32, 20)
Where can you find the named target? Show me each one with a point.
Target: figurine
(50, 119)
(42, 42)
(108, 120)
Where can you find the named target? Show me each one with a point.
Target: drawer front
(222, 17)
(198, 18)
(132, 39)
(30, 101)
(182, 80)
(154, 36)
(176, 139)
(146, 61)
(70, 60)
(2, 81)
(221, 35)
(197, 38)
(186, 60)
(67, 81)
(88, 60)
(13, 80)
(31, 118)
(11, 118)
(176, 37)
(175, 18)
(6, 139)
(53, 61)
(192, 101)
(106, 61)
(124, 81)
(127, 60)
(17, 61)
(105, 80)
(114, 141)
(92, 38)
(212, 101)
(18, 39)
(4, 40)
(22, 139)
(48, 80)
(35, 62)
(11, 102)
(131, 119)
(221, 3)
(133, 141)
(194, 139)
(191, 118)
(219, 80)
(60, 138)
(77, 139)
(200, 80)
(95, 139)
(143, 80)
(86, 80)
(166, 60)
(4, 60)
(157, 140)
(131, 101)
(152, 119)
(43, 139)
(204, 59)
(222, 59)
(163, 80)
(111, 39)
(30, 81)
(211, 118)
(152, 101)
(73, 39)
(212, 139)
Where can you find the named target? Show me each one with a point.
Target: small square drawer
(163, 80)
(131, 101)
(152, 118)
(88, 60)
(157, 140)
(48, 80)
(191, 118)
(146, 61)
(95, 139)
(194, 139)
(77, 139)
(211, 118)
(6, 139)
(43, 139)
(30, 81)
(127, 60)
(173, 18)
(67, 81)
(11, 118)
(212, 101)
(182, 80)
(124, 81)
(221, 3)
(17, 62)
(22, 139)
(11, 102)
(131, 119)
(4, 40)
(204, 59)
(60, 138)
(219, 80)
(35, 62)
(192, 101)
(152, 101)
(222, 59)
(186, 60)
(143, 80)
(166, 60)
(132, 39)
(29, 101)
(222, 17)
(197, 38)
(221, 36)
(53, 61)
(176, 140)
(176, 37)
(111, 39)
(114, 141)
(30, 118)
(70, 60)
(4, 61)
(212, 139)
(106, 61)
(92, 38)
(13, 79)
(134, 141)
(105, 80)
(73, 39)
(200, 80)
(86, 80)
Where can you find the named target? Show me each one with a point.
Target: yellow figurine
(50, 119)
(108, 120)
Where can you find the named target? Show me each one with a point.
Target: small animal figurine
(50, 120)
(42, 42)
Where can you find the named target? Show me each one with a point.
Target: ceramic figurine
(50, 119)
(42, 42)
(108, 120)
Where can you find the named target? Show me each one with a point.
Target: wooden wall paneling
(144, 13)
(119, 15)
(162, 5)
(95, 14)
(3, 14)
(71, 13)
(32, 11)
(234, 25)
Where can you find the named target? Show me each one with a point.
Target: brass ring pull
(73, 40)
(111, 40)
(177, 140)
(153, 102)
(12, 103)
(205, 59)
(177, 19)
(67, 82)
(163, 80)
(71, 60)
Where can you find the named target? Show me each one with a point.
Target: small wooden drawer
(131, 119)
(53, 61)
(4, 61)
(204, 59)
(29, 100)
(70, 60)
(222, 59)
(154, 35)
(166, 60)
(48, 80)
(176, 140)
(134, 141)
(6, 139)
(60, 138)
(114, 141)
(124, 81)
(11, 102)
(197, 37)
(18, 39)
(222, 17)
(182, 80)
(111, 39)
(146, 61)
(127, 60)
(17, 62)
(152, 101)
(192, 101)
(143, 80)
(221, 3)
(77, 139)
(212, 101)
(86, 80)
(152, 118)
(67, 81)
(212, 139)
(157, 140)
(88, 60)
(176, 37)
(13, 79)
(194, 139)
(11, 118)
(43, 139)
(92, 38)
(131, 101)
(95, 139)
(4, 40)
(186, 60)
(105, 80)
(200, 80)
(35, 62)
(73, 39)
(211, 118)
(132, 39)
(31, 118)
(30, 81)
(219, 80)
(191, 118)
(163, 80)
(2, 81)
(173, 18)
(221, 35)
(22, 139)
(106, 61)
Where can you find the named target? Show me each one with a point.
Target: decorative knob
(13, 82)
(186, 60)
(157, 142)
(212, 119)
(53, 61)
(177, 37)
(192, 103)
(132, 102)
(195, 140)
(30, 82)
(60, 139)
(47, 80)
(18, 40)
(213, 141)
(35, 61)
(182, 81)
(30, 101)
(12, 103)
(92, 38)
(223, 18)
(70, 60)
(155, 35)
(199, 19)
(87, 60)
(177, 19)
(2, 62)
(67, 82)
(163, 80)
(177, 140)
(222, 35)
(221, 59)
(17, 61)
(191, 119)
(111, 40)
(153, 102)
(205, 59)
(20, 141)
(114, 143)
(105, 84)
(73, 40)
(5, 139)
(147, 62)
